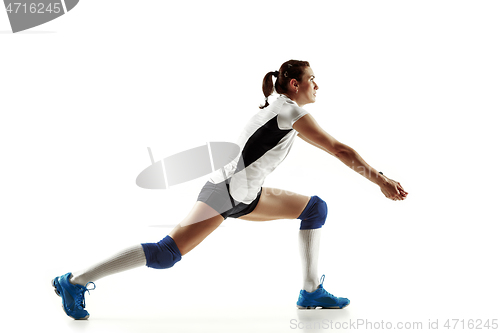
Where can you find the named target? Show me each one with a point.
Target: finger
(401, 190)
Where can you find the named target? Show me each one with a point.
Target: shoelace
(80, 299)
(321, 284)
(326, 292)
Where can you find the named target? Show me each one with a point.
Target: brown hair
(292, 69)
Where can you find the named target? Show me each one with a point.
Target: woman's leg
(131, 257)
(198, 224)
(277, 204)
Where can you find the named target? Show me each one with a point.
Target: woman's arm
(310, 131)
(312, 143)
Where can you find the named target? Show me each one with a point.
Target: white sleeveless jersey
(264, 144)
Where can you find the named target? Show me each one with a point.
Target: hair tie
(276, 74)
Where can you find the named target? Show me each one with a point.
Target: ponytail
(268, 86)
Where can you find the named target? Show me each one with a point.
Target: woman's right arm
(310, 131)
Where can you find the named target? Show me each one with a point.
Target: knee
(314, 215)
(163, 254)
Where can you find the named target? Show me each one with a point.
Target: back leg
(200, 222)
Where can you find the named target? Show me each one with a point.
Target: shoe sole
(321, 307)
(58, 293)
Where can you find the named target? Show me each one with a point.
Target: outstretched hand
(393, 190)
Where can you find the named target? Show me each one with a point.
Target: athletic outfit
(233, 191)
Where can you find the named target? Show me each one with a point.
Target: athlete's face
(306, 88)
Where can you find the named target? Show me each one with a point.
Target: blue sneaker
(73, 299)
(321, 298)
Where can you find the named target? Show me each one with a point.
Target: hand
(393, 190)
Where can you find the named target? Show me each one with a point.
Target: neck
(293, 99)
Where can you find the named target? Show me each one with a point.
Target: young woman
(236, 191)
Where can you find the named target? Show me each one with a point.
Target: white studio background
(412, 86)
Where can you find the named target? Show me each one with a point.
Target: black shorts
(217, 196)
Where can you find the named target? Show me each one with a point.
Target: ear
(293, 84)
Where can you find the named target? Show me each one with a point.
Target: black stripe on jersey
(260, 142)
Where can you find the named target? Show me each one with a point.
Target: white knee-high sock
(309, 253)
(126, 259)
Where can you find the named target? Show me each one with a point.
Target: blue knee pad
(314, 215)
(163, 254)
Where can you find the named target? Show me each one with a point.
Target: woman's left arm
(311, 142)
(310, 131)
